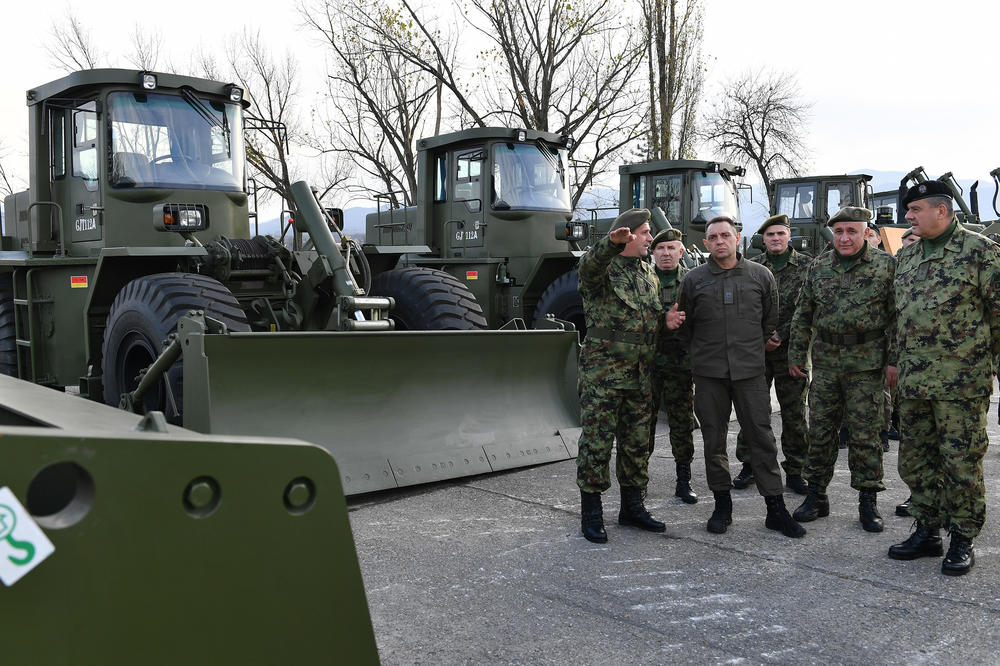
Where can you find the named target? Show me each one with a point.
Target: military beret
(928, 188)
(665, 236)
(908, 232)
(773, 220)
(633, 219)
(850, 214)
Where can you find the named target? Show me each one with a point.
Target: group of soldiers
(705, 341)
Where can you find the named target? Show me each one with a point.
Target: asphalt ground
(493, 569)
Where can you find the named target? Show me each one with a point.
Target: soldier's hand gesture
(621, 236)
(675, 317)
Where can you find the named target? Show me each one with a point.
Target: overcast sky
(894, 84)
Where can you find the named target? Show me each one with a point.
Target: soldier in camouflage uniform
(908, 239)
(948, 328)
(622, 308)
(847, 301)
(789, 268)
(673, 386)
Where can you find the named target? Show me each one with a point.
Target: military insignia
(922, 189)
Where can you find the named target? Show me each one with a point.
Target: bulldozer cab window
(796, 200)
(713, 194)
(468, 172)
(667, 195)
(85, 144)
(57, 143)
(838, 195)
(639, 192)
(170, 141)
(440, 178)
(529, 176)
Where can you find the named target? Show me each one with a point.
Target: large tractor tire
(429, 300)
(8, 335)
(143, 314)
(562, 299)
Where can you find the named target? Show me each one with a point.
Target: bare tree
(550, 65)
(146, 47)
(569, 69)
(271, 86)
(378, 101)
(674, 31)
(6, 186)
(74, 48)
(759, 121)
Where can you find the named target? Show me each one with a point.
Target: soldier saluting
(622, 307)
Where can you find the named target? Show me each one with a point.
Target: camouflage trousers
(855, 399)
(611, 415)
(941, 460)
(673, 390)
(791, 393)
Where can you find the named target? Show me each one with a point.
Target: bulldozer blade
(394, 408)
(139, 542)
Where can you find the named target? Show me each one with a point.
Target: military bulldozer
(809, 201)
(688, 192)
(128, 270)
(478, 249)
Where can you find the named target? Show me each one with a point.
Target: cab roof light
(147, 80)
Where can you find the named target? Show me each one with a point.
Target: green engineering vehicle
(125, 540)
(478, 249)
(689, 192)
(809, 202)
(135, 231)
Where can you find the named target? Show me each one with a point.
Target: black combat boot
(797, 484)
(960, 558)
(592, 521)
(778, 518)
(684, 484)
(924, 542)
(904, 508)
(722, 515)
(816, 505)
(868, 511)
(633, 512)
(744, 478)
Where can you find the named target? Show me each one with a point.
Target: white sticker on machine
(23, 544)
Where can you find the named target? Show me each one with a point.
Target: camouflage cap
(665, 236)
(850, 214)
(633, 219)
(928, 188)
(773, 220)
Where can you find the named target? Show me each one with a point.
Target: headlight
(522, 135)
(235, 92)
(148, 81)
(180, 217)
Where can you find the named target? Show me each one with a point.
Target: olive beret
(928, 188)
(908, 232)
(773, 220)
(633, 219)
(850, 214)
(665, 236)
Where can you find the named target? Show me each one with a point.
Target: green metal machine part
(171, 546)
